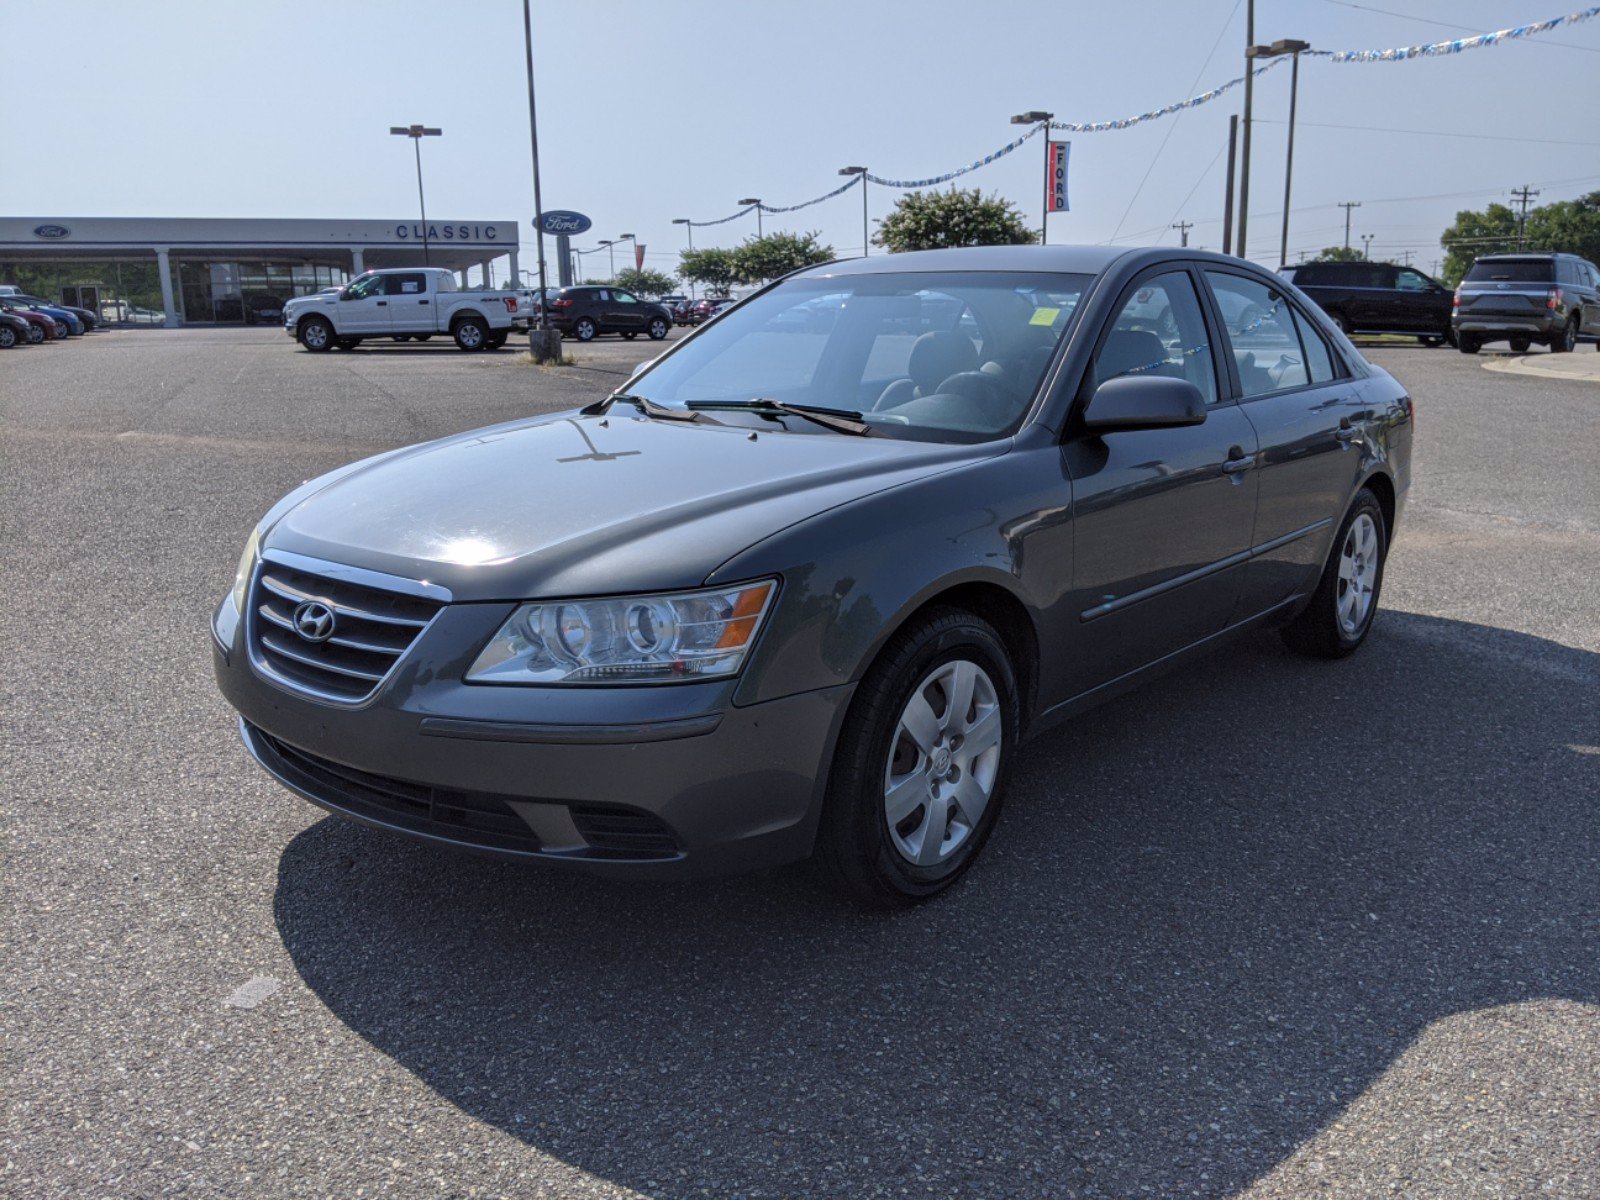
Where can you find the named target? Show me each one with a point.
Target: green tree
(717, 269)
(645, 283)
(934, 220)
(1337, 254)
(1474, 233)
(764, 258)
(1569, 225)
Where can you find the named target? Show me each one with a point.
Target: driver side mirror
(1144, 402)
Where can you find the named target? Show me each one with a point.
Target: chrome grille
(372, 628)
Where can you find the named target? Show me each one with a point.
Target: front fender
(853, 575)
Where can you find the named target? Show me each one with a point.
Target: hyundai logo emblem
(313, 620)
(51, 231)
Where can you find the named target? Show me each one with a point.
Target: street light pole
(533, 136)
(756, 201)
(1366, 246)
(1276, 50)
(866, 243)
(627, 237)
(1041, 119)
(607, 243)
(688, 228)
(1249, 94)
(416, 133)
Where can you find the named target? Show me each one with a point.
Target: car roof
(1066, 260)
(1524, 256)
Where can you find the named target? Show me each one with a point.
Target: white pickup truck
(404, 303)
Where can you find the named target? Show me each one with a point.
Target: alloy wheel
(1358, 574)
(315, 335)
(944, 759)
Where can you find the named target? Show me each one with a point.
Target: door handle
(421, 301)
(1345, 432)
(383, 303)
(1238, 461)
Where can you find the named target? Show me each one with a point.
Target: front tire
(8, 337)
(1345, 603)
(920, 771)
(584, 329)
(470, 333)
(316, 335)
(658, 329)
(1566, 341)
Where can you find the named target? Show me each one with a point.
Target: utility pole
(1183, 228)
(1347, 205)
(1227, 195)
(1523, 196)
(1249, 94)
(544, 343)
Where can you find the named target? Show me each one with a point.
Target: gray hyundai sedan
(810, 579)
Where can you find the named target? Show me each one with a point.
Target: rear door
(363, 307)
(1306, 412)
(410, 304)
(1161, 517)
(628, 314)
(1423, 305)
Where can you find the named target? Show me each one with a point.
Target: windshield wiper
(839, 420)
(648, 407)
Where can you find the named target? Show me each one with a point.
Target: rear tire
(1344, 325)
(950, 791)
(316, 335)
(1345, 603)
(1567, 340)
(470, 333)
(349, 343)
(1468, 343)
(1432, 343)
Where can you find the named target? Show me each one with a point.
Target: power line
(1482, 137)
(1523, 196)
(1443, 24)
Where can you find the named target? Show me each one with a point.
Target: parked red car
(44, 328)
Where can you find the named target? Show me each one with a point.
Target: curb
(1577, 366)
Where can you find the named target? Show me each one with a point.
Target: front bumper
(663, 782)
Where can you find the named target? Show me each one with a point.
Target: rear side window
(408, 284)
(1261, 334)
(1513, 270)
(1319, 363)
(1412, 281)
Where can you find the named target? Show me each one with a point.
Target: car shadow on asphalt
(1214, 912)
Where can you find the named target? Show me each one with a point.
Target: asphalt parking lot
(1274, 929)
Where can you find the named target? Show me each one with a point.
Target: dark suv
(588, 311)
(1370, 297)
(1527, 298)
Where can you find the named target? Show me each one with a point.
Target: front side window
(933, 356)
(362, 288)
(1412, 281)
(1160, 331)
(1261, 334)
(623, 298)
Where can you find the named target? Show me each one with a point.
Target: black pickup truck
(1374, 297)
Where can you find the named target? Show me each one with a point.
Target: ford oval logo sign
(559, 220)
(51, 231)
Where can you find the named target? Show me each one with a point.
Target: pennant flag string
(1393, 54)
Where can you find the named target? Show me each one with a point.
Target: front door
(627, 314)
(1422, 304)
(410, 306)
(363, 308)
(1307, 414)
(1161, 517)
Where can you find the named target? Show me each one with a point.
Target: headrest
(939, 355)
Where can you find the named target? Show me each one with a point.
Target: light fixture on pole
(611, 254)
(756, 201)
(416, 133)
(866, 244)
(1277, 50)
(627, 237)
(1041, 119)
(1366, 245)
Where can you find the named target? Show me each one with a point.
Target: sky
(653, 111)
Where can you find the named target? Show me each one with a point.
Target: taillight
(561, 304)
(1554, 299)
(1456, 303)
(511, 303)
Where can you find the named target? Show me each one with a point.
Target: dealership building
(176, 271)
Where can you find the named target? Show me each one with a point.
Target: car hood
(568, 505)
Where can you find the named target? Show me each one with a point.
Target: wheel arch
(1381, 486)
(999, 607)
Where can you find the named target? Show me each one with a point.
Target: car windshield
(1513, 270)
(937, 356)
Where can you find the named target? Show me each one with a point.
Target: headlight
(627, 639)
(247, 564)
